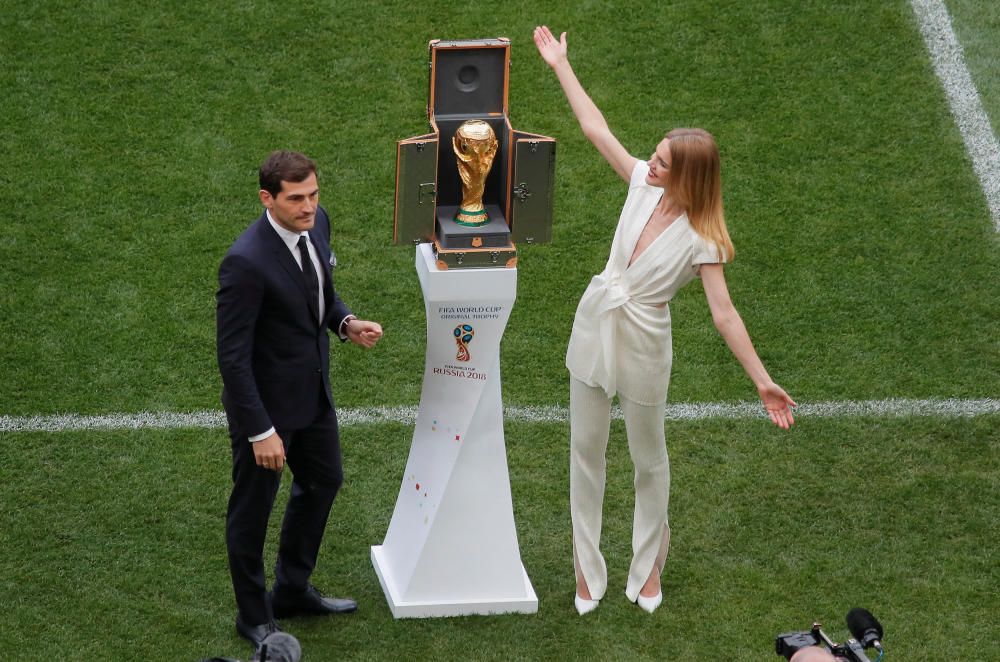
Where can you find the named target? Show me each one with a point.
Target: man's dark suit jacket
(273, 353)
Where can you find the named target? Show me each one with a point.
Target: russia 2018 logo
(463, 336)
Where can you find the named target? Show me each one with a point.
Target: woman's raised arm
(554, 52)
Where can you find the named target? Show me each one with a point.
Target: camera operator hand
(813, 654)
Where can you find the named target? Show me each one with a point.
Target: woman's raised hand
(551, 49)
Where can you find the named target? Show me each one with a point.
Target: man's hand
(270, 452)
(813, 654)
(363, 332)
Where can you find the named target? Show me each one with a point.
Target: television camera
(866, 630)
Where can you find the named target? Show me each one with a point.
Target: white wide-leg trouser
(590, 425)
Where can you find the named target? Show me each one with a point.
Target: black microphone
(865, 628)
(279, 647)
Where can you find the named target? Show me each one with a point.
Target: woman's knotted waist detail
(607, 293)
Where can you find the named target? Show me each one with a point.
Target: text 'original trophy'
(464, 194)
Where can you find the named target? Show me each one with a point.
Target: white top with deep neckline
(621, 337)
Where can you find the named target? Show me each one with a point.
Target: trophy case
(472, 147)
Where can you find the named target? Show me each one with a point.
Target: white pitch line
(966, 105)
(893, 408)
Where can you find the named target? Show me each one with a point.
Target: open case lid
(469, 77)
(532, 188)
(416, 189)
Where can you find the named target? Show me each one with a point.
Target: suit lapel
(284, 257)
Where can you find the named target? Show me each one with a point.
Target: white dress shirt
(291, 240)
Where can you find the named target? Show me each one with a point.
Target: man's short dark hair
(284, 165)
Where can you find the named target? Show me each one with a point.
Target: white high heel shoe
(649, 605)
(585, 606)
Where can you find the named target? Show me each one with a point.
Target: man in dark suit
(275, 303)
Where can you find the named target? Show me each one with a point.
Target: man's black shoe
(310, 601)
(255, 634)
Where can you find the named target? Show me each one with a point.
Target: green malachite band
(469, 224)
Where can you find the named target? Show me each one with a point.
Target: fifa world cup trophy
(475, 145)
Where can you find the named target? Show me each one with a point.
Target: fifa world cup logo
(475, 145)
(463, 336)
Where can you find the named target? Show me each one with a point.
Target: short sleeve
(705, 252)
(639, 173)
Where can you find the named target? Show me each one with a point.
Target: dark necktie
(309, 272)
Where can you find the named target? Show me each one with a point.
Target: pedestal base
(482, 605)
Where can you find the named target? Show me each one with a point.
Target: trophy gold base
(472, 219)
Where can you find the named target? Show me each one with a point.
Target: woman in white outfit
(671, 230)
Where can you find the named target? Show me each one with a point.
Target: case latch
(522, 192)
(427, 189)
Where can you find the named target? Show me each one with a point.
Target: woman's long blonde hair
(695, 183)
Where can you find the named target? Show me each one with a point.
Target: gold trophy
(475, 145)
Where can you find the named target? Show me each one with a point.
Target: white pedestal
(451, 548)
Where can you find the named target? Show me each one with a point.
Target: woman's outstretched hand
(552, 50)
(778, 404)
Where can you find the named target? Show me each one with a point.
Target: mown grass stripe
(891, 408)
(966, 105)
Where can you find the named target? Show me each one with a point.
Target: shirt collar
(290, 238)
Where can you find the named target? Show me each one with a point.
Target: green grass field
(867, 268)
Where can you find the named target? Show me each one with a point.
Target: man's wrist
(262, 436)
(343, 325)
